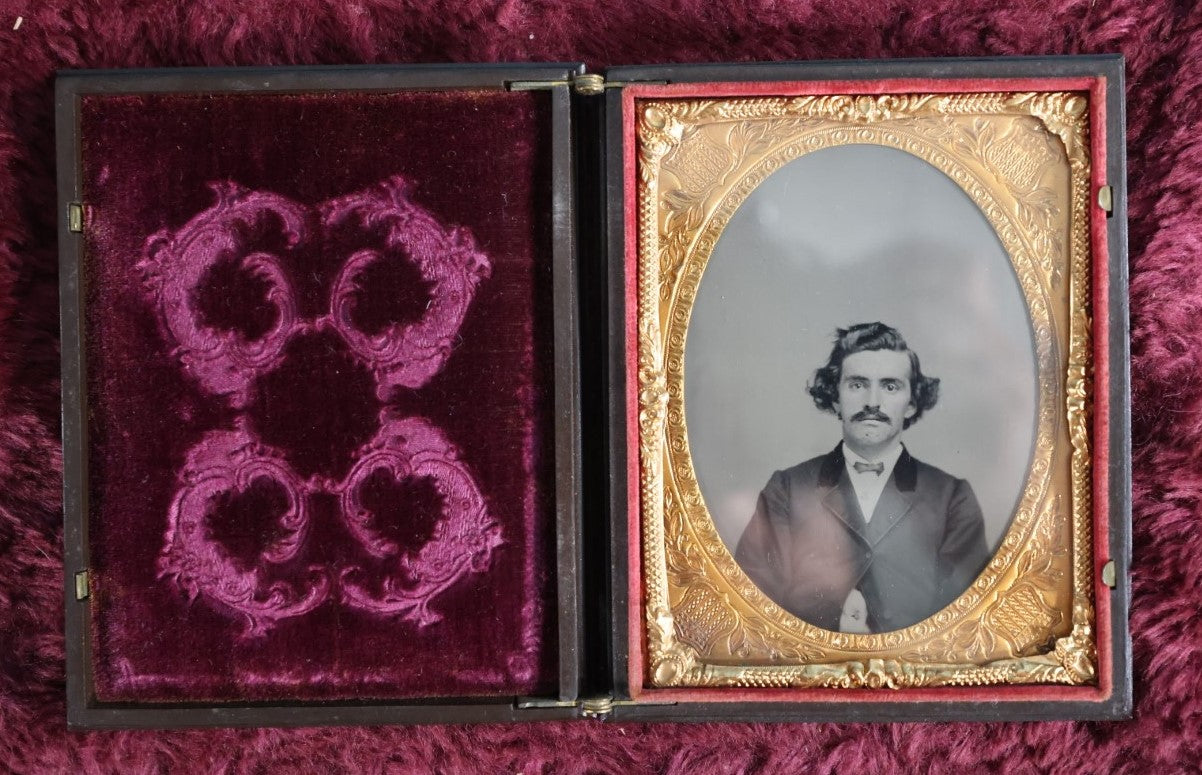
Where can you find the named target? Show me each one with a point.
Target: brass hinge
(81, 585)
(598, 707)
(1106, 198)
(75, 217)
(587, 84)
(525, 703)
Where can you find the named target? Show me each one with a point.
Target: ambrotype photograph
(863, 390)
(854, 488)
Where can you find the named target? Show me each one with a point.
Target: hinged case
(357, 378)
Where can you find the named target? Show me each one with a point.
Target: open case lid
(320, 396)
(714, 219)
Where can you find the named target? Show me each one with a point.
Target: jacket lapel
(896, 499)
(839, 497)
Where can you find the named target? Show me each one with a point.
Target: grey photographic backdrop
(846, 235)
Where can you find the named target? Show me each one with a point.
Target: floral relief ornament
(228, 363)
(1029, 621)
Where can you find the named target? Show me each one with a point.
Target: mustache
(870, 413)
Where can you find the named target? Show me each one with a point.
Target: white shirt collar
(890, 459)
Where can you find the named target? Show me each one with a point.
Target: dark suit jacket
(808, 546)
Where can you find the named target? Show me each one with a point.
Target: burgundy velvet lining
(480, 416)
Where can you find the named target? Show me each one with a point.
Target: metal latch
(75, 217)
(81, 585)
(1106, 198)
(1108, 574)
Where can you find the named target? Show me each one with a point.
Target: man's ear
(911, 410)
(835, 409)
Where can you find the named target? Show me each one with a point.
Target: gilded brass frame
(1023, 158)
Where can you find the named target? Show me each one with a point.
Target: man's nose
(873, 398)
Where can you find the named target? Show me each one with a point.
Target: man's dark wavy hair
(924, 391)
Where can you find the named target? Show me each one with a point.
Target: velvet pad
(319, 383)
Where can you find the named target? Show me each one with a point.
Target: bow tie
(876, 468)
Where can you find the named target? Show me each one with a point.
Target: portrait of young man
(866, 538)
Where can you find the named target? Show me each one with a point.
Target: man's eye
(892, 388)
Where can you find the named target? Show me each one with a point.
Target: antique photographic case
(471, 393)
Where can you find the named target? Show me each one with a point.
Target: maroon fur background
(1163, 46)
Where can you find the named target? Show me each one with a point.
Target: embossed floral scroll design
(1023, 158)
(226, 363)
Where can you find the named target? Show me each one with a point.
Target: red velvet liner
(1101, 426)
(474, 160)
(1101, 376)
